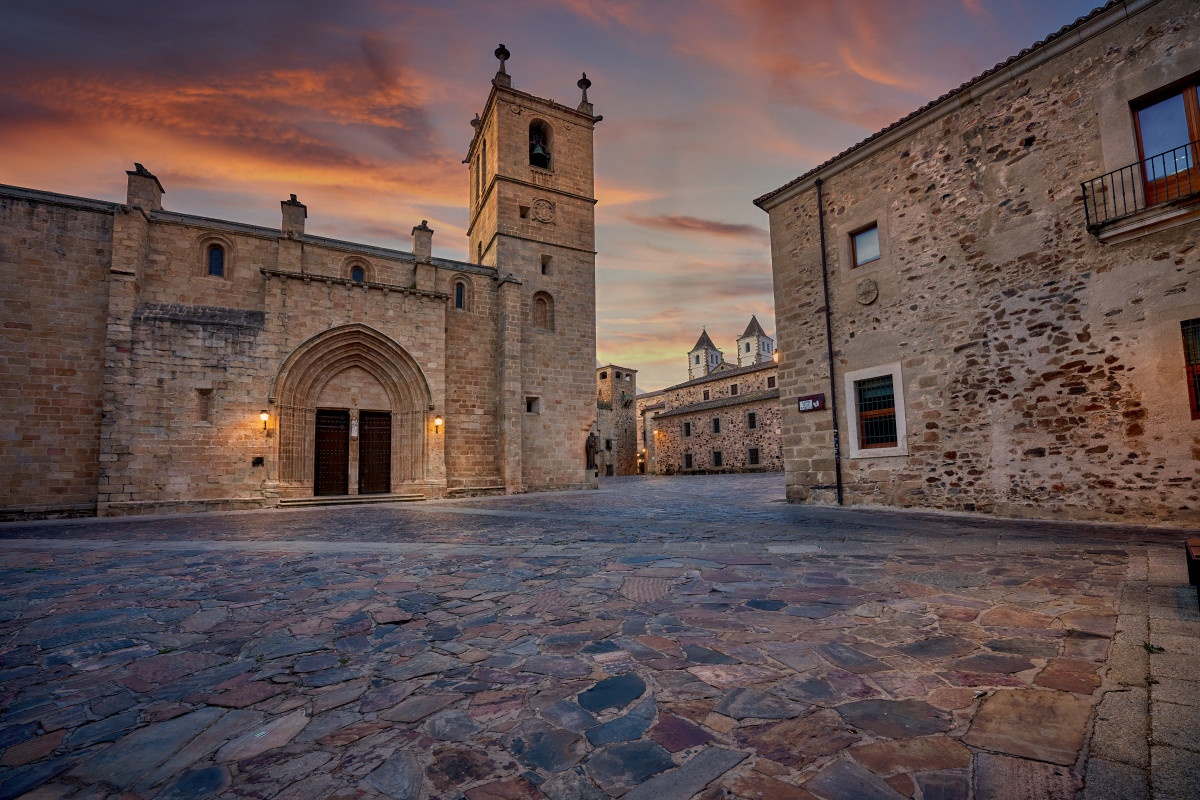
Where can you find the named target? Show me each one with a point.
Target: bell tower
(532, 218)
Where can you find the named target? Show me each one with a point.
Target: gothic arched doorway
(352, 407)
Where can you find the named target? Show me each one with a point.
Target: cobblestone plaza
(593, 645)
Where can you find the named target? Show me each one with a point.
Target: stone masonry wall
(54, 261)
(1042, 369)
(734, 441)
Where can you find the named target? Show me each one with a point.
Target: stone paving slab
(593, 645)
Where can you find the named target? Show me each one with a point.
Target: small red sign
(811, 402)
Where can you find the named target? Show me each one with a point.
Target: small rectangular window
(608, 470)
(533, 405)
(687, 460)
(545, 265)
(747, 347)
(752, 456)
(733, 390)
(717, 459)
(706, 394)
(524, 210)
(204, 405)
(716, 425)
(459, 295)
(751, 419)
(618, 376)
(771, 382)
(865, 245)
(608, 444)
(1191, 360)
(875, 400)
(687, 429)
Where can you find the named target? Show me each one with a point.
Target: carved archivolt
(313, 364)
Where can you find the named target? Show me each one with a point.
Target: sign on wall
(811, 402)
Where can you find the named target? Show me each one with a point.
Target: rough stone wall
(472, 384)
(719, 386)
(54, 260)
(619, 422)
(734, 440)
(1042, 368)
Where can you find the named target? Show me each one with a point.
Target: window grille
(876, 403)
(1191, 360)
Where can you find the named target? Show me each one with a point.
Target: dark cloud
(685, 224)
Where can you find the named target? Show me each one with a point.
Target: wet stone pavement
(661, 638)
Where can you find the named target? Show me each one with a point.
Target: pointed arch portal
(311, 378)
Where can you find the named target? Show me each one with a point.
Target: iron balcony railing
(1154, 181)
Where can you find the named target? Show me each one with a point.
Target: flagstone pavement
(665, 638)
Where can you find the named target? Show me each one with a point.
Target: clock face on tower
(543, 210)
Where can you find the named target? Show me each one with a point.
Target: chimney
(145, 192)
(294, 214)
(423, 241)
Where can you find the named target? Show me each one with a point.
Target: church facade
(157, 361)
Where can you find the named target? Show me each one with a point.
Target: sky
(362, 109)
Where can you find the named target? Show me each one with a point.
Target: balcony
(1156, 193)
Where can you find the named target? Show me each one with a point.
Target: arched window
(543, 312)
(357, 275)
(216, 260)
(539, 144)
(461, 293)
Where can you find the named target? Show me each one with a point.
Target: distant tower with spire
(703, 358)
(754, 346)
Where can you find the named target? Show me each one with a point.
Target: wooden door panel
(374, 452)
(332, 472)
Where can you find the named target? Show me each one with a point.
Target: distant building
(1011, 276)
(725, 418)
(616, 421)
(648, 404)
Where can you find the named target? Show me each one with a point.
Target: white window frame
(849, 379)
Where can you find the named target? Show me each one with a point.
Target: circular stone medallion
(543, 210)
(866, 292)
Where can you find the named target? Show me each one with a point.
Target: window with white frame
(875, 405)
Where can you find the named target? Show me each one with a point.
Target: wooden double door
(331, 474)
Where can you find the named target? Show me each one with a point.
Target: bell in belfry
(538, 155)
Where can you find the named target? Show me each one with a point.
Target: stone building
(616, 421)
(1010, 278)
(161, 361)
(726, 417)
(648, 404)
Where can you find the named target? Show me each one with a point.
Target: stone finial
(423, 241)
(583, 83)
(294, 214)
(475, 122)
(144, 191)
(502, 77)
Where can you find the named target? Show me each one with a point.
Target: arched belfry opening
(352, 407)
(539, 144)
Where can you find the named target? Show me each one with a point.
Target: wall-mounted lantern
(437, 424)
(264, 415)
(775, 356)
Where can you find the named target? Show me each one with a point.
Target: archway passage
(356, 376)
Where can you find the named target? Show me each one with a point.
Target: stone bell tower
(532, 204)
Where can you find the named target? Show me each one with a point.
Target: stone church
(158, 361)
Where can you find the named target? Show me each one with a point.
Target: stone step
(349, 499)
